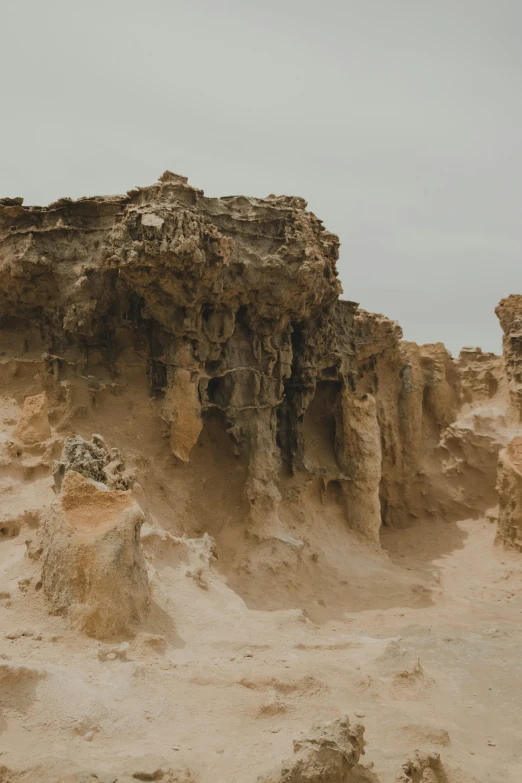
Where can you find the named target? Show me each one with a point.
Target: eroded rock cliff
(93, 568)
(225, 313)
(257, 432)
(509, 487)
(509, 313)
(227, 306)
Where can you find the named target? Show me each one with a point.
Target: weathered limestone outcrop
(228, 286)
(509, 488)
(233, 306)
(442, 421)
(468, 454)
(482, 377)
(234, 300)
(383, 373)
(230, 309)
(470, 443)
(93, 567)
(330, 753)
(233, 303)
(267, 430)
(33, 426)
(359, 456)
(416, 389)
(183, 412)
(509, 313)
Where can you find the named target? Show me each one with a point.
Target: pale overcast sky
(400, 121)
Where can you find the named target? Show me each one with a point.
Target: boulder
(328, 754)
(33, 426)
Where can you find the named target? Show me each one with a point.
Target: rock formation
(93, 568)
(93, 460)
(233, 304)
(509, 312)
(33, 426)
(329, 754)
(425, 767)
(228, 310)
(509, 488)
(264, 430)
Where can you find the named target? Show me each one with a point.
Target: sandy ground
(230, 687)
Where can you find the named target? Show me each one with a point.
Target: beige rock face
(93, 568)
(276, 440)
(94, 460)
(180, 280)
(359, 455)
(423, 768)
(183, 410)
(509, 313)
(442, 423)
(417, 394)
(33, 426)
(509, 488)
(482, 377)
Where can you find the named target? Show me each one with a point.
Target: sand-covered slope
(238, 511)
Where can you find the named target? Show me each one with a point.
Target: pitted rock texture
(33, 426)
(509, 312)
(94, 460)
(482, 376)
(276, 439)
(509, 488)
(329, 753)
(93, 567)
(232, 302)
(229, 310)
(417, 395)
(423, 768)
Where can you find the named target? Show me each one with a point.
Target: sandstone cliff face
(332, 753)
(93, 568)
(442, 421)
(509, 488)
(509, 313)
(482, 379)
(226, 314)
(417, 392)
(229, 305)
(257, 432)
